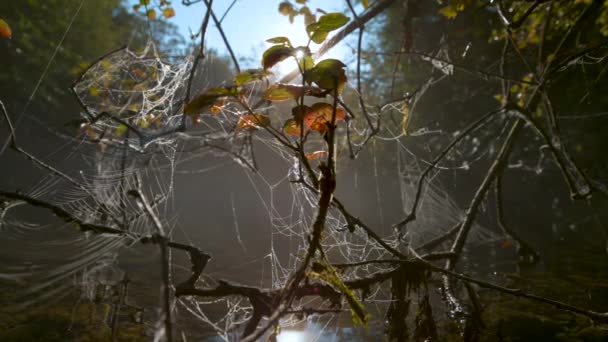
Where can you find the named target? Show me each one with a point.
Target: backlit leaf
(321, 113)
(332, 21)
(208, 98)
(283, 92)
(151, 14)
(291, 127)
(365, 3)
(5, 30)
(327, 74)
(279, 40)
(252, 121)
(278, 94)
(275, 54)
(168, 12)
(319, 30)
(250, 75)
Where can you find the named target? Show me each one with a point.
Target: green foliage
(327, 74)
(319, 30)
(251, 75)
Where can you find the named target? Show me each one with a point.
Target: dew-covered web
(134, 137)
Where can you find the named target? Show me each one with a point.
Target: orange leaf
(5, 30)
(168, 12)
(506, 243)
(321, 113)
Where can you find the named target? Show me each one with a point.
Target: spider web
(130, 138)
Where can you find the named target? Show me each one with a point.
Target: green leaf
(327, 74)
(279, 40)
(144, 2)
(285, 8)
(306, 62)
(331, 21)
(275, 54)
(250, 75)
(283, 92)
(277, 94)
(120, 130)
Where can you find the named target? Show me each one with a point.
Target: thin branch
(411, 216)
(164, 255)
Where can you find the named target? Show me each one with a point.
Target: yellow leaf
(151, 14)
(168, 12)
(291, 127)
(5, 30)
(449, 12)
(365, 4)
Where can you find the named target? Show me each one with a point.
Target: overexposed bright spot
(292, 336)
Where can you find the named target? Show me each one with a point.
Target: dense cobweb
(134, 136)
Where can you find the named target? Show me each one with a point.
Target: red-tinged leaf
(320, 127)
(5, 30)
(291, 127)
(316, 155)
(252, 121)
(168, 12)
(275, 54)
(321, 113)
(506, 243)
